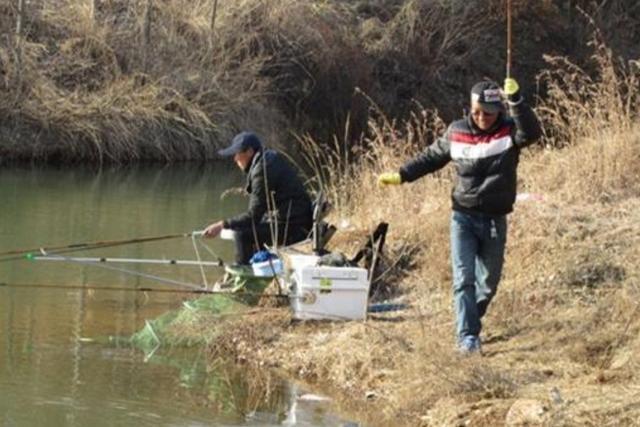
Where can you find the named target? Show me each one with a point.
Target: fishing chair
(371, 252)
(322, 231)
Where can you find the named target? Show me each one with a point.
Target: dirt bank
(167, 81)
(559, 339)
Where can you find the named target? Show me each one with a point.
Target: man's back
(275, 191)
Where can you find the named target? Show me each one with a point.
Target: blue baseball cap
(241, 142)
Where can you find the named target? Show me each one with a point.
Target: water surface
(61, 361)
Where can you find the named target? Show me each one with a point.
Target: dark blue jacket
(275, 192)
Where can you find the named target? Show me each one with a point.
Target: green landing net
(245, 291)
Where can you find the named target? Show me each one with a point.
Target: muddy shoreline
(402, 368)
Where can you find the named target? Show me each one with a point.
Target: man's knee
(463, 278)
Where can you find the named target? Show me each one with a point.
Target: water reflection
(58, 366)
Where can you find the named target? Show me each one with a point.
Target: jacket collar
(253, 161)
(493, 129)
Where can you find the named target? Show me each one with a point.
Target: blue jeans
(477, 255)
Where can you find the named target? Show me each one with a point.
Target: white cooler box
(334, 293)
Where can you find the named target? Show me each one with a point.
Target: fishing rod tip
(30, 256)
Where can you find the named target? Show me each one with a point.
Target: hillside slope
(560, 339)
(125, 81)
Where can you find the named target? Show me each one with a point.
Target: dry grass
(566, 317)
(598, 111)
(563, 330)
(183, 88)
(115, 86)
(90, 89)
(567, 312)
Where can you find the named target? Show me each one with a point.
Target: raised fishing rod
(509, 33)
(98, 244)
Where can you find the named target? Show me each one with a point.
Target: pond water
(62, 362)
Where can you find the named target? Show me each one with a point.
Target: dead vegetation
(562, 334)
(126, 82)
(561, 337)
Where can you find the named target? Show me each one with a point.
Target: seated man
(278, 201)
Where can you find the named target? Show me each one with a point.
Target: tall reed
(348, 173)
(596, 112)
(586, 169)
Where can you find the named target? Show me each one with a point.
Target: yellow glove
(511, 89)
(389, 178)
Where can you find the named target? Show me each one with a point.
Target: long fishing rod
(105, 288)
(509, 33)
(98, 244)
(92, 260)
(124, 270)
(129, 289)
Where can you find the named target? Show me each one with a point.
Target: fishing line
(135, 273)
(215, 286)
(212, 253)
(202, 273)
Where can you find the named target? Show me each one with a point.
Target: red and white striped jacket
(486, 161)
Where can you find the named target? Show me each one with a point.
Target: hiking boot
(469, 344)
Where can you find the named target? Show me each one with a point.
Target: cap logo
(492, 95)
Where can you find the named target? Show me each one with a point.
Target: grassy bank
(122, 81)
(561, 336)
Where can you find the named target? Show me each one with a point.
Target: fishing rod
(509, 33)
(129, 289)
(96, 263)
(98, 244)
(105, 288)
(92, 260)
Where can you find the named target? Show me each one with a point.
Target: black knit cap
(489, 95)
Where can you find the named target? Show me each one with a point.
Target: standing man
(278, 202)
(485, 149)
